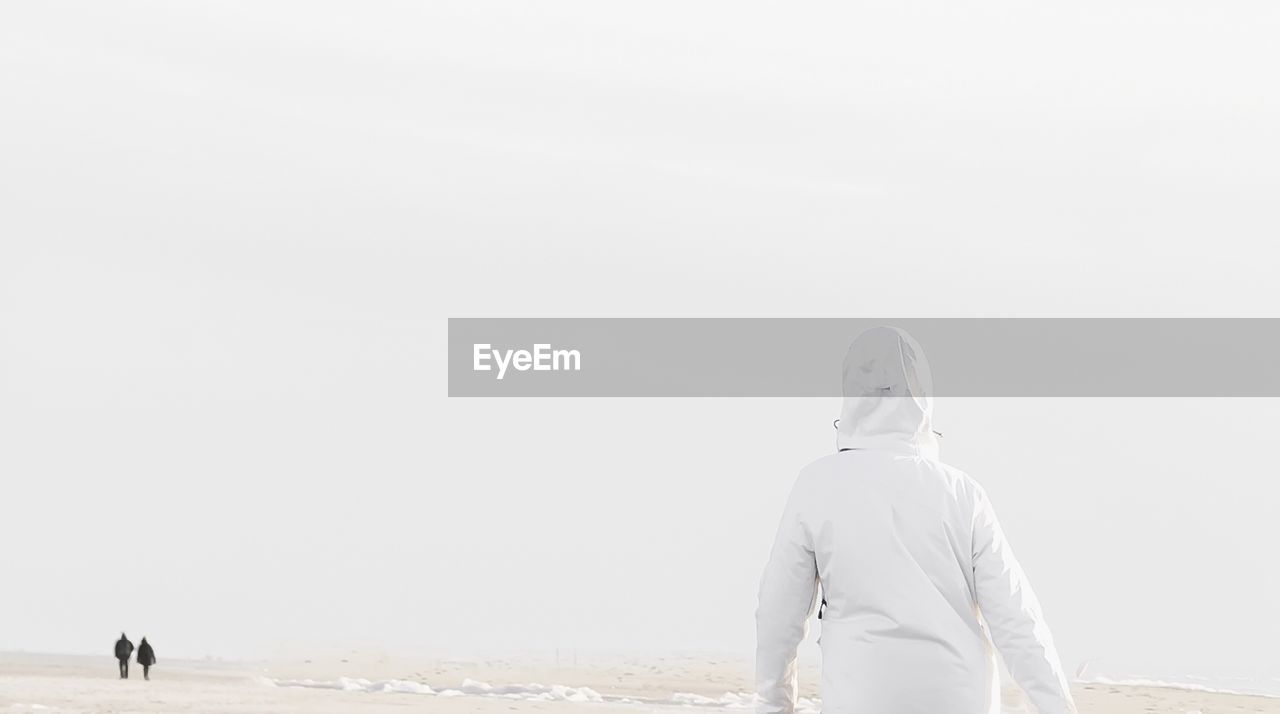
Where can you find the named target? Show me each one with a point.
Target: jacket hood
(888, 394)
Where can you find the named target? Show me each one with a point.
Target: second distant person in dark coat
(146, 657)
(124, 648)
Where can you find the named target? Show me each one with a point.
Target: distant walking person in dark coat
(124, 648)
(146, 657)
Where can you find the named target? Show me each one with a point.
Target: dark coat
(124, 648)
(146, 655)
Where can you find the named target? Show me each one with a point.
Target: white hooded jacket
(910, 561)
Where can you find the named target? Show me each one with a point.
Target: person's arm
(1013, 615)
(788, 592)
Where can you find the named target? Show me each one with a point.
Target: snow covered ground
(364, 682)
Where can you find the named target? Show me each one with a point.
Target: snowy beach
(382, 683)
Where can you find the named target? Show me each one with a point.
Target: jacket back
(892, 537)
(918, 578)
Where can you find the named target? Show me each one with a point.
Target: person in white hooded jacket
(910, 562)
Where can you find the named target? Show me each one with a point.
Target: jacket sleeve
(1013, 615)
(788, 592)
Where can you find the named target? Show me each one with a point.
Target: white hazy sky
(231, 233)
